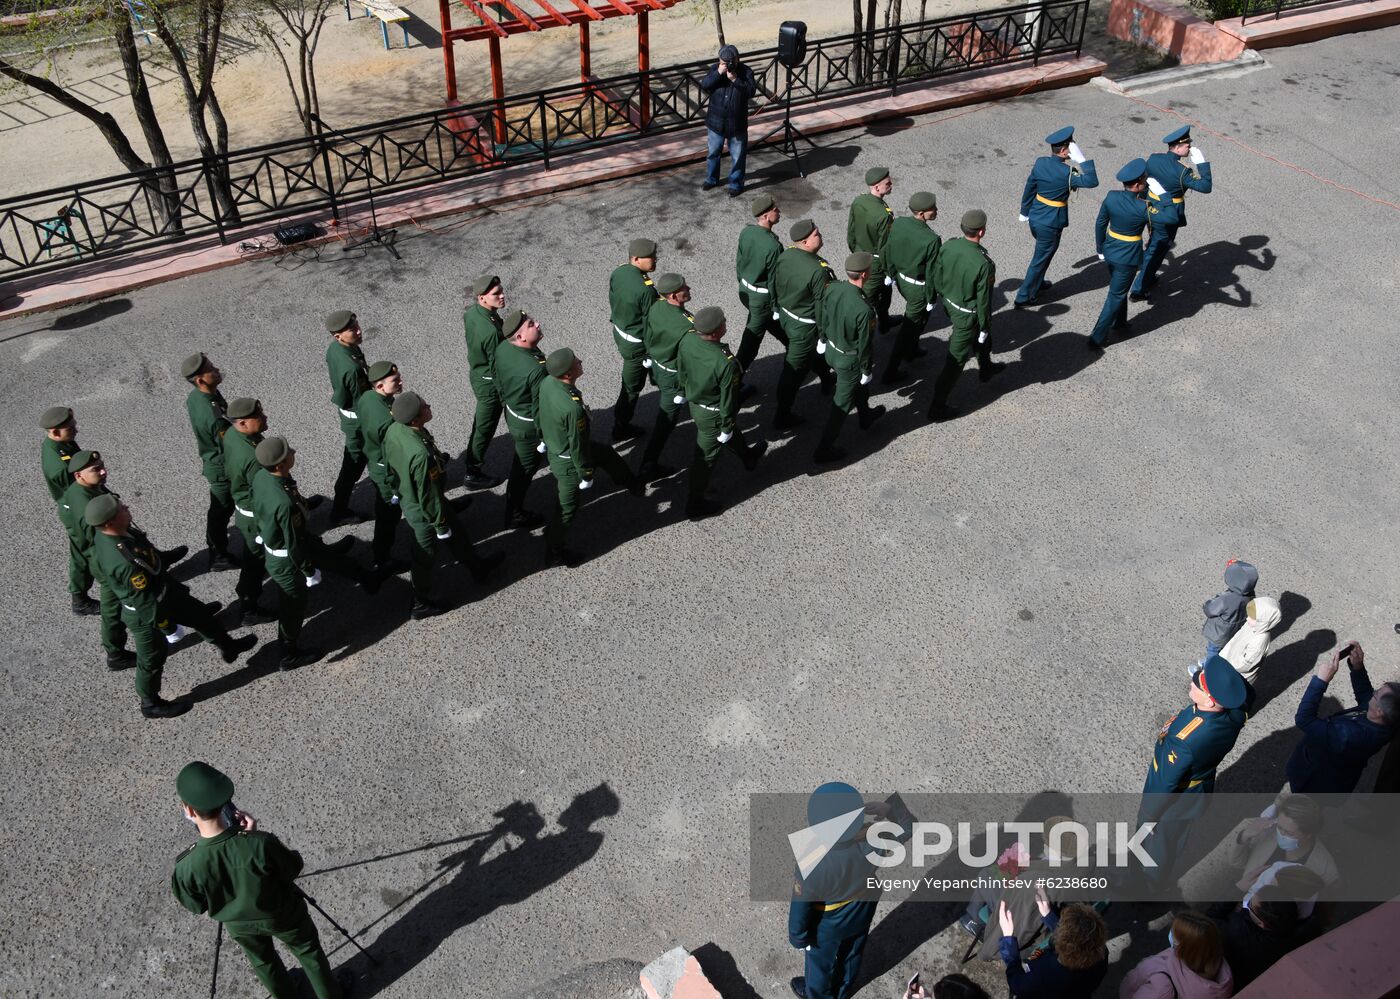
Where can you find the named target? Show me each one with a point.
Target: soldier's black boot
(866, 413)
(753, 454)
(221, 561)
(172, 555)
(249, 614)
(159, 707)
(799, 987)
(827, 451)
(231, 648)
(474, 478)
(987, 369)
(84, 605)
(292, 657)
(425, 609)
(121, 660)
(566, 557)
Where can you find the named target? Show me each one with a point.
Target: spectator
(1225, 611)
(1303, 886)
(1257, 936)
(1334, 750)
(1250, 645)
(1193, 967)
(1286, 833)
(1074, 966)
(952, 986)
(730, 86)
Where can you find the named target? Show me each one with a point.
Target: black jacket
(728, 113)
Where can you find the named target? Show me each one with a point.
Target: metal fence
(1277, 8)
(76, 224)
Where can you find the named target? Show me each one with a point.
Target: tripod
(790, 132)
(382, 237)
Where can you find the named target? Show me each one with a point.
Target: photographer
(730, 86)
(1335, 750)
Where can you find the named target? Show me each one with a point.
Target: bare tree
(719, 21)
(292, 29)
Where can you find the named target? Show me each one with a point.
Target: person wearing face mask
(1286, 832)
(1192, 967)
(1257, 935)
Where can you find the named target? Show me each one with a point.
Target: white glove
(540, 447)
(982, 337)
(1075, 153)
(1023, 218)
(1197, 157)
(821, 346)
(867, 378)
(1155, 186)
(725, 437)
(585, 484)
(775, 316)
(1100, 256)
(393, 500)
(258, 539)
(889, 281)
(646, 362)
(444, 534)
(929, 307)
(314, 579)
(679, 400)
(176, 635)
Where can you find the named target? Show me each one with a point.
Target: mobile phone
(229, 813)
(1344, 652)
(914, 982)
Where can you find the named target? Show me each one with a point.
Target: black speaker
(792, 43)
(298, 232)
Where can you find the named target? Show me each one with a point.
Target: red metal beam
(521, 16)
(449, 66)
(586, 9)
(559, 18)
(489, 25)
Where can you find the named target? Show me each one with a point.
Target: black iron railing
(1277, 8)
(79, 223)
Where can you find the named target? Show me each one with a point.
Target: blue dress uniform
(1118, 240)
(1168, 211)
(1189, 749)
(1045, 201)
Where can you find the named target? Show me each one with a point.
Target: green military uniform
(630, 294)
(758, 253)
(483, 335)
(910, 257)
(965, 275)
(349, 379)
(519, 372)
(375, 420)
(71, 507)
(868, 231)
(799, 280)
(666, 326)
(208, 421)
(848, 328)
(54, 457)
(240, 465)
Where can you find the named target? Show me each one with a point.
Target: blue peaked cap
(836, 798)
(1225, 686)
(1184, 132)
(1132, 171)
(1063, 135)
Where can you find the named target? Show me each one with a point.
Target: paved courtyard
(553, 779)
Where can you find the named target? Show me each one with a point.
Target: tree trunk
(167, 200)
(106, 124)
(857, 27)
(719, 21)
(869, 43)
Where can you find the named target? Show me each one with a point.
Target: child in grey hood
(1225, 612)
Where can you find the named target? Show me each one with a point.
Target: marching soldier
(418, 464)
(208, 419)
(1045, 205)
(710, 377)
(245, 879)
(1118, 240)
(293, 555)
(668, 322)
(573, 455)
(1167, 183)
(868, 231)
(60, 444)
(385, 383)
(848, 328)
(483, 332)
(759, 250)
(249, 423)
(630, 294)
(965, 275)
(155, 607)
(90, 481)
(910, 254)
(349, 379)
(798, 282)
(519, 370)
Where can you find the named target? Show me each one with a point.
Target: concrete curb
(1247, 61)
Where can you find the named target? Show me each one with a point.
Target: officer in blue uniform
(1045, 205)
(1189, 749)
(1118, 240)
(1168, 180)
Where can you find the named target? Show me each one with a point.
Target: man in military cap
(1118, 241)
(1168, 180)
(965, 275)
(246, 879)
(573, 455)
(1045, 205)
(868, 231)
(759, 250)
(798, 283)
(208, 419)
(155, 607)
(248, 424)
(294, 555)
(385, 383)
(710, 377)
(519, 370)
(349, 379)
(1189, 749)
(89, 481)
(848, 329)
(418, 464)
(910, 255)
(60, 444)
(483, 331)
(630, 295)
(668, 322)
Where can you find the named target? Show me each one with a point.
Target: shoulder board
(185, 852)
(1190, 727)
(66, 457)
(647, 281)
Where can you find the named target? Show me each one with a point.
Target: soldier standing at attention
(155, 607)
(630, 294)
(1167, 182)
(965, 276)
(519, 370)
(1045, 205)
(418, 464)
(249, 423)
(483, 331)
(60, 444)
(868, 231)
(246, 880)
(349, 379)
(1118, 240)
(668, 322)
(798, 282)
(573, 455)
(710, 378)
(759, 250)
(385, 383)
(909, 257)
(848, 327)
(208, 419)
(90, 481)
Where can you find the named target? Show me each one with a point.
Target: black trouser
(386, 522)
(760, 321)
(217, 518)
(352, 466)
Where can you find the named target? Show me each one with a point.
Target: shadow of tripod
(790, 133)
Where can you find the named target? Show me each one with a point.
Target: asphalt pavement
(556, 774)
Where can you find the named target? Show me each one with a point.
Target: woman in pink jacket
(1192, 968)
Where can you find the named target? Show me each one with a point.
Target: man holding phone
(1335, 750)
(731, 86)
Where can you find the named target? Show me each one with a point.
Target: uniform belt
(833, 906)
(753, 287)
(626, 336)
(1126, 239)
(279, 552)
(832, 346)
(1194, 783)
(1053, 204)
(960, 308)
(486, 378)
(794, 315)
(712, 409)
(563, 456)
(1175, 201)
(906, 277)
(527, 419)
(669, 371)
(247, 513)
(349, 414)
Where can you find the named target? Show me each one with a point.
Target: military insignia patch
(797, 887)
(1171, 757)
(138, 580)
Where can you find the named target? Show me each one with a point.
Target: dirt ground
(42, 145)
